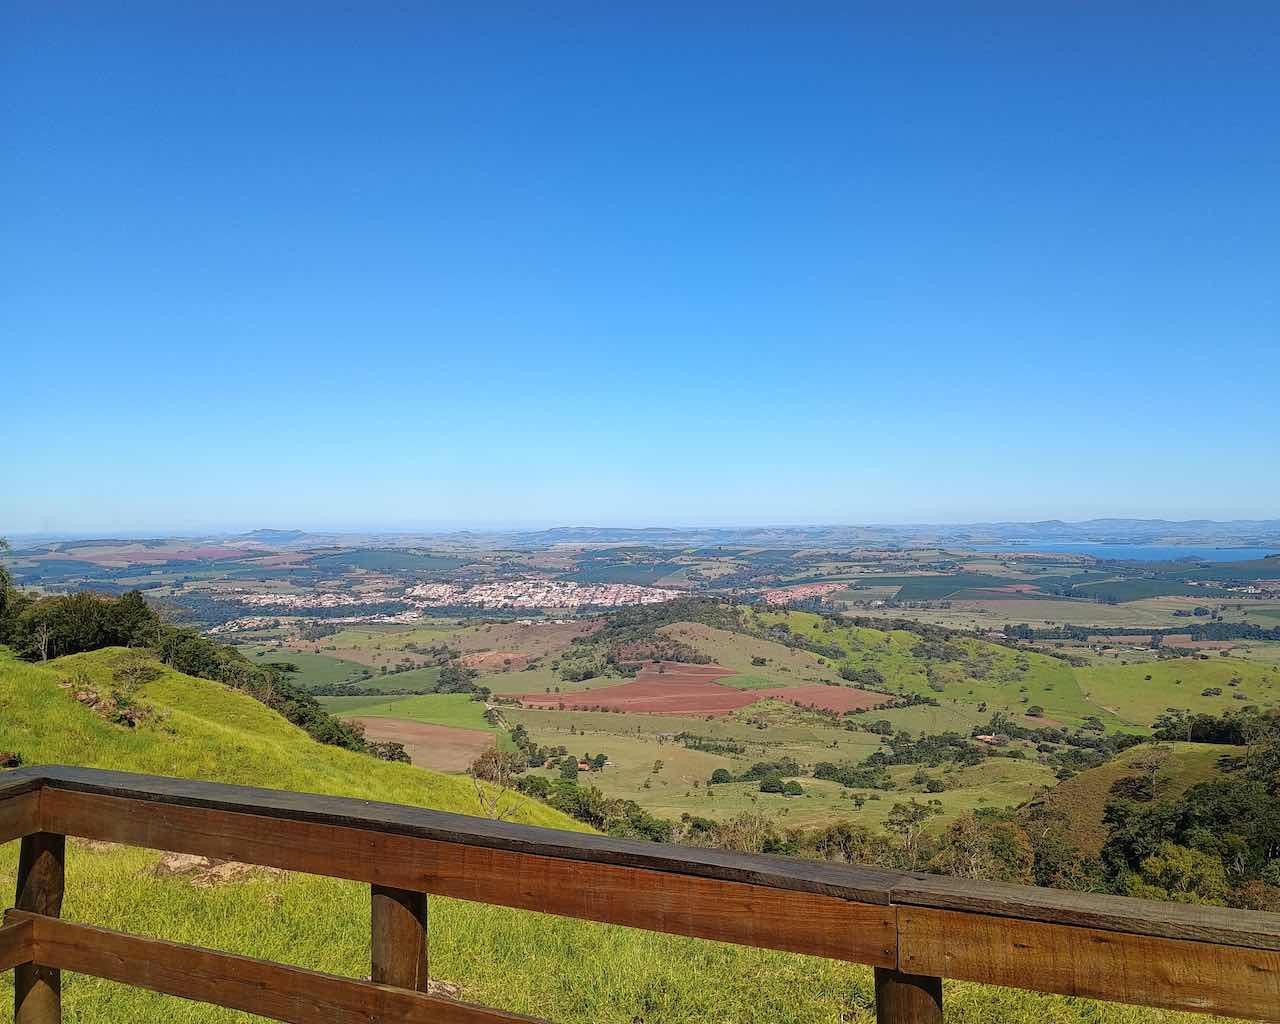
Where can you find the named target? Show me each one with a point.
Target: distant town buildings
(536, 593)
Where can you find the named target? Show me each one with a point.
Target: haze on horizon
(443, 269)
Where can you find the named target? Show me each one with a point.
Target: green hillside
(1084, 798)
(553, 968)
(207, 731)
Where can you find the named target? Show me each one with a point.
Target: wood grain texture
(663, 901)
(907, 998)
(21, 780)
(19, 814)
(242, 983)
(41, 873)
(1169, 973)
(398, 934)
(1249, 928)
(851, 882)
(17, 945)
(37, 986)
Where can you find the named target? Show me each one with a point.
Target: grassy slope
(1048, 682)
(1178, 683)
(1119, 695)
(1084, 797)
(209, 732)
(784, 666)
(558, 969)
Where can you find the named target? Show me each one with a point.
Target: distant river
(1132, 552)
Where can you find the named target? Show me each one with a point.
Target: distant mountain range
(1200, 532)
(1260, 533)
(1196, 532)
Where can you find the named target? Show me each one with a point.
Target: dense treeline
(1196, 630)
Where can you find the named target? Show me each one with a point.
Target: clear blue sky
(410, 265)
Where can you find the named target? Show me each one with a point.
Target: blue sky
(400, 265)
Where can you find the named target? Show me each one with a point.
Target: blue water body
(1134, 552)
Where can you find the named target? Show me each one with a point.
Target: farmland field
(1126, 691)
(437, 747)
(313, 669)
(457, 710)
(669, 688)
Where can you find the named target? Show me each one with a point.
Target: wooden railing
(914, 929)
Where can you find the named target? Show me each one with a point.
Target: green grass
(537, 680)
(457, 710)
(999, 677)
(1125, 690)
(555, 968)
(313, 669)
(414, 679)
(208, 731)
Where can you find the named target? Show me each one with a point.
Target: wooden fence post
(399, 920)
(37, 991)
(907, 998)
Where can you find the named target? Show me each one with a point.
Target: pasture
(1127, 692)
(313, 669)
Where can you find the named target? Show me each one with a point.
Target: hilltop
(203, 729)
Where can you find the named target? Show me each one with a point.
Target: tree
(908, 821)
(792, 788)
(43, 634)
(569, 768)
(6, 579)
(492, 774)
(771, 784)
(720, 776)
(984, 845)
(1180, 874)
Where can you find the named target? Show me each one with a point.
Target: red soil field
(829, 698)
(673, 688)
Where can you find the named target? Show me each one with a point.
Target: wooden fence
(914, 929)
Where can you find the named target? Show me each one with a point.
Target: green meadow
(313, 669)
(456, 710)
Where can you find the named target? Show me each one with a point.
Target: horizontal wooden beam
(1175, 974)
(1247, 928)
(17, 945)
(239, 982)
(727, 911)
(849, 882)
(19, 815)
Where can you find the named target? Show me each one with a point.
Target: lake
(1134, 552)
